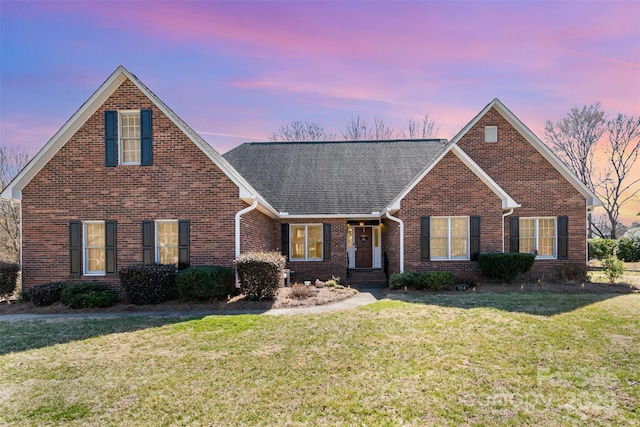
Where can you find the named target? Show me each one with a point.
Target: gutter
(504, 215)
(238, 215)
(399, 221)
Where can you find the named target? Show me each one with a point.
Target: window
(127, 137)
(129, 142)
(94, 248)
(491, 134)
(538, 235)
(449, 238)
(306, 242)
(167, 242)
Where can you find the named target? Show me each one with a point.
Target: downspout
(399, 221)
(238, 215)
(504, 215)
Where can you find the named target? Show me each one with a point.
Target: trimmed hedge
(437, 279)
(434, 280)
(260, 274)
(45, 294)
(629, 249)
(148, 283)
(88, 294)
(204, 282)
(601, 249)
(8, 278)
(505, 266)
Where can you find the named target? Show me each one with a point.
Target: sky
(237, 71)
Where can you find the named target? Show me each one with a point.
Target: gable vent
(491, 134)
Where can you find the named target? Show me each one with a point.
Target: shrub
(629, 249)
(148, 283)
(613, 268)
(572, 272)
(260, 274)
(299, 291)
(204, 282)
(8, 278)
(46, 294)
(436, 279)
(88, 294)
(331, 283)
(505, 266)
(602, 248)
(408, 279)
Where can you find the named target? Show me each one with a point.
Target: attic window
(491, 134)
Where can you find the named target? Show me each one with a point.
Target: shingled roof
(337, 177)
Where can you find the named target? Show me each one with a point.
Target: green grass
(457, 359)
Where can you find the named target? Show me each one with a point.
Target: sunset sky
(236, 71)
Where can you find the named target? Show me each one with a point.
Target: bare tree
(302, 131)
(11, 162)
(357, 128)
(615, 185)
(574, 137)
(424, 129)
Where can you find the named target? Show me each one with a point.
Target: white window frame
(449, 257)
(306, 242)
(121, 139)
(157, 239)
(85, 251)
(491, 134)
(536, 236)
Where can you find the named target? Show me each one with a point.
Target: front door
(363, 246)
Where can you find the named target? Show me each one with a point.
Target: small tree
(12, 160)
(424, 129)
(302, 131)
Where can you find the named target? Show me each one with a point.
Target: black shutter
(425, 238)
(326, 242)
(146, 145)
(74, 248)
(563, 237)
(285, 240)
(514, 234)
(475, 238)
(110, 246)
(147, 242)
(183, 244)
(110, 138)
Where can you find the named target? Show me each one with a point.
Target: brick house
(126, 181)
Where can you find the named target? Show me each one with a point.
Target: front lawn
(439, 359)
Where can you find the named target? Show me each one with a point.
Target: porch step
(367, 277)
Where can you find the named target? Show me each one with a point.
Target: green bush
(629, 249)
(45, 294)
(408, 279)
(88, 294)
(505, 266)
(436, 280)
(8, 278)
(204, 282)
(602, 248)
(148, 283)
(613, 268)
(260, 274)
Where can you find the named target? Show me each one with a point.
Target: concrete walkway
(360, 299)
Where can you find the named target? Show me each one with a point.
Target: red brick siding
(183, 183)
(258, 232)
(450, 189)
(531, 181)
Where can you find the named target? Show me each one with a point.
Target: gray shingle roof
(338, 177)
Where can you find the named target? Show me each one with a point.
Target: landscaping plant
(260, 274)
(204, 282)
